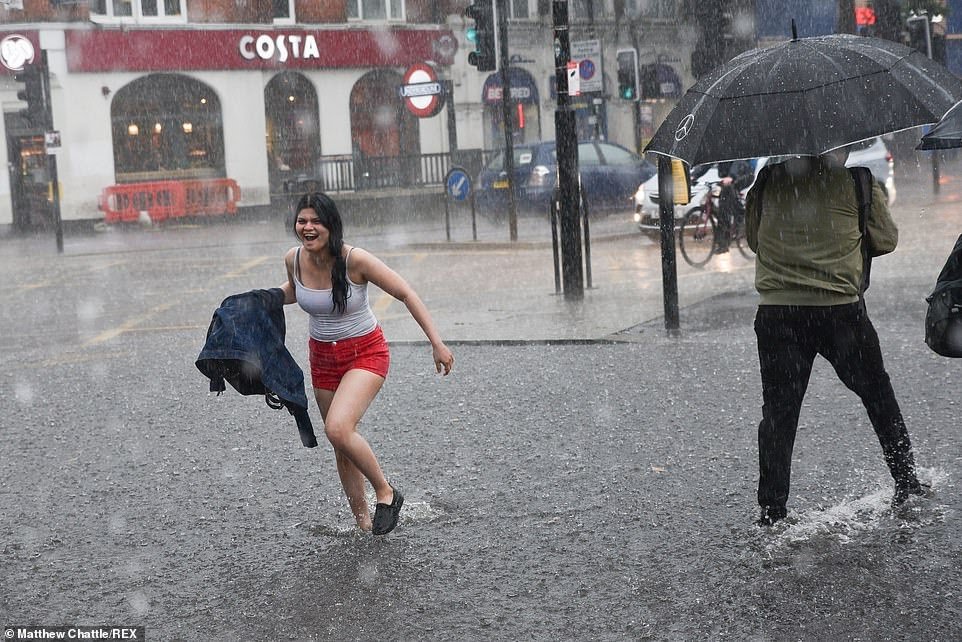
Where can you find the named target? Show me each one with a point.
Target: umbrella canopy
(805, 96)
(947, 133)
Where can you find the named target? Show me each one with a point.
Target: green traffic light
(627, 93)
(471, 34)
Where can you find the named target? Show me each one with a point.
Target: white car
(647, 212)
(874, 154)
(871, 153)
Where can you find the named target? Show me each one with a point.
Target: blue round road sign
(458, 183)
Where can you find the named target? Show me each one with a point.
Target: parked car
(872, 153)
(610, 174)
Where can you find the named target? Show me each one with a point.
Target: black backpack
(943, 320)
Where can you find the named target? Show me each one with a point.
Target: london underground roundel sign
(422, 92)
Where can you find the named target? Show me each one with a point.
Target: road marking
(130, 324)
(382, 303)
(35, 286)
(245, 267)
(168, 328)
(105, 266)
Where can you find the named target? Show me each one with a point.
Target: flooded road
(564, 489)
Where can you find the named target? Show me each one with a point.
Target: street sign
(587, 53)
(458, 184)
(422, 92)
(51, 141)
(574, 80)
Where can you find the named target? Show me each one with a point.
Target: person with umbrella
(803, 224)
(806, 97)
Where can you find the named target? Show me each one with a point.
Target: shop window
(138, 10)
(375, 10)
(167, 126)
(293, 136)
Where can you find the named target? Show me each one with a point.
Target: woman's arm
(288, 285)
(375, 271)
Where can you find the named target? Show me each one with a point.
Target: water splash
(852, 516)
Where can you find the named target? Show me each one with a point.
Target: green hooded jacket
(802, 223)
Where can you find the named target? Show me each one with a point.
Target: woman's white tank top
(357, 318)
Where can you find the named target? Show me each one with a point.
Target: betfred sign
(493, 94)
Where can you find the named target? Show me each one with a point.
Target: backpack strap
(758, 188)
(863, 191)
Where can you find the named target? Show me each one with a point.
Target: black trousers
(728, 211)
(789, 338)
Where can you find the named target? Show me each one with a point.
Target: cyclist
(735, 176)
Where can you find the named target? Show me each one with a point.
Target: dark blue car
(610, 174)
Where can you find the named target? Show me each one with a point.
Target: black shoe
(905, 490)
(386, 515)
(771, 514)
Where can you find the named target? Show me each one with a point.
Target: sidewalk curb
(511, 245)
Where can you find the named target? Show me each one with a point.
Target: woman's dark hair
(331, 219)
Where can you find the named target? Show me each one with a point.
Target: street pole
(924, 18)
(567, 153)
(936, 170)
(502, 16)
(669, 271)
(51, 158)
(452, 125)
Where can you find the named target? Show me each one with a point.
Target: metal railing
(347, 173)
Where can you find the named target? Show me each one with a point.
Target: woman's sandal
(386, 515)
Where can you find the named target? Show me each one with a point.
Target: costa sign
(268, 47)
(422, 91)
(108, 50)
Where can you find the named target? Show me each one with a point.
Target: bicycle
(696, 238)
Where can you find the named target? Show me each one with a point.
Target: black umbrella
(947, 133)
(806, 96)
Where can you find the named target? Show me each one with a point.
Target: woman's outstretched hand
(443, 358)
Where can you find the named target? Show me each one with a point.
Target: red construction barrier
(161, 200)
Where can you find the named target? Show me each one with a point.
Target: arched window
(293, 139)
(167, 126)
(380, 125)
(384, 134)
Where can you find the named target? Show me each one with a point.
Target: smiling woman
(348, 353)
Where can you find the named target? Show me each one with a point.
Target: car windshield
(522, 156)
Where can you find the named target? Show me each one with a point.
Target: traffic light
(32, 94)
(484, 56)
(649, 86)
(627, 74)
(919, 33)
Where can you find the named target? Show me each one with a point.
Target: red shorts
(330, 360)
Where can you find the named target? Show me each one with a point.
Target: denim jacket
(245, 346)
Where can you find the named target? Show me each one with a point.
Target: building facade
(219, 92)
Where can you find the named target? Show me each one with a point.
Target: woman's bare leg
(342, 411)
(352, 480)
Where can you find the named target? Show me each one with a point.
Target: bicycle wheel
(741, 240)
(697, 238)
